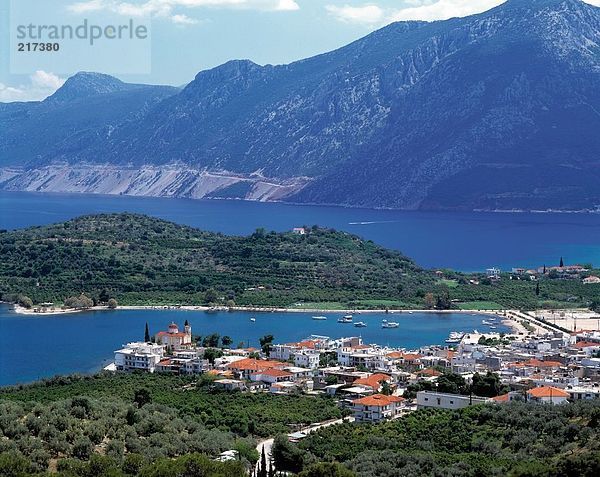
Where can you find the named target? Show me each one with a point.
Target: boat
(389, 324)
(485, 322)
(345, 319)
(455, 337)
(319, 318)
(493, 327)
(410, 312)
(360, 324)
(252, 319)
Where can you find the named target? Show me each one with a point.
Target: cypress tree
(562, 264)
(537, 289)
(147, 334)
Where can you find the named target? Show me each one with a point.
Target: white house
(139, 356)
(377, 407)
(446, 401)
(307, 359)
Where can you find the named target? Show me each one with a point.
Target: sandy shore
(572, 320)
(57, 311)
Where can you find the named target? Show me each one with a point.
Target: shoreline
(254, 309)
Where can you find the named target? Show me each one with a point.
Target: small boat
(455, 337)
(360, 324)
(345, 319)
(319, 318)
(252, 319)
(410, 312)
(389, 324)
(493, 327)
(485, 322)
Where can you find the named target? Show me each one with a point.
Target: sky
(188, 36)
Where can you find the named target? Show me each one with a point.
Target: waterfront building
(139, 357)
(173, 339)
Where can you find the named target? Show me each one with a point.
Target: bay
(36, 347)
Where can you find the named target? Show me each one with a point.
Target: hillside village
(373, 383)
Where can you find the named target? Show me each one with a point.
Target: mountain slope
(84, 110)
(494, 111)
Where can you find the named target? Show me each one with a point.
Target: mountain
(85, 109)
(499, 110)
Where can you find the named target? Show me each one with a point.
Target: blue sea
(37, 346)
(463, 241)
(41, 346)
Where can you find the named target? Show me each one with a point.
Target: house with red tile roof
(244, 368)
(377, 407)
(548, 395)
(374, 381)
(272, 375)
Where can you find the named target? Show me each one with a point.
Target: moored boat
(389, 324)
(319, 318)
(360, 324)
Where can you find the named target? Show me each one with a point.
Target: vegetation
(140, 424)
(243, 414)
(516, 439)
(139, 260)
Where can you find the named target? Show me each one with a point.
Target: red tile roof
(379, 400)
(429, 372)
(373, 381)
(250, 364)
(585, 344)
(502, 398)
(276, 373)
(547, 391)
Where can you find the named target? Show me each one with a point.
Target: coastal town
(538, 362)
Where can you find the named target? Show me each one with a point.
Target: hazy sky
(191, 35)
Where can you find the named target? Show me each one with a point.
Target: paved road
(268, 443)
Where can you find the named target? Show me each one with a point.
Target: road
(268, 443)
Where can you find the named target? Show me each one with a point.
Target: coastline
(509, 318)
(251, 309)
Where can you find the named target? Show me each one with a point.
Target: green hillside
(141, 260)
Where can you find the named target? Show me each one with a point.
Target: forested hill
(142, 260)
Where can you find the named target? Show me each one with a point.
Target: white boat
(345, 319)
(252, 319)
(319, 318)
(360, 324)
(389, 324)
(485, 322)
(455, 337)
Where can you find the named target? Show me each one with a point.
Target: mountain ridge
(494, 111)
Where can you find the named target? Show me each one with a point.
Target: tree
(79, 302)
(562, 263)
(430, 301)
(487, 386)
(112, 303)
(385, 387)
(537, 289)
(211, 341)
(211, 296)
(265, 344)
(141, 397)
(211, 354)
(286, 456)
(226, 341)
(25, 301)
(262, 469)
(147, 334)
(104, 296)
(327, 469)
